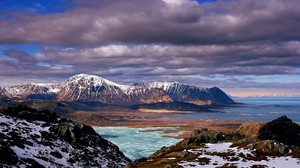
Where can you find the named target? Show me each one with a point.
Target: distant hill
(172, 106)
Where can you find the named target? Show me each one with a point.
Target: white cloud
(179, 2)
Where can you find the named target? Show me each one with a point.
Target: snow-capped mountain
(94, 88)
(192, 94)
(32, 91)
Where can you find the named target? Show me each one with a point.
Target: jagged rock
(282, 130)
(207, 136)
(73, 132)
(269, 147)
(31, 114)
(31, 138)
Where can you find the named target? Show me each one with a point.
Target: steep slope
(94, 88)
(31, 138)
(32, 91)
(85, 87)
(191, 94)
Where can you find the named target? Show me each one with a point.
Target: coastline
(148, 120)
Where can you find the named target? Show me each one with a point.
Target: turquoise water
(135, 144)
(253, 109)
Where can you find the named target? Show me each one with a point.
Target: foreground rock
(274, 144)
(31, 138)
(282, 130)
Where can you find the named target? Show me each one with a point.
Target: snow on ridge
(97, 81)
(165, 85)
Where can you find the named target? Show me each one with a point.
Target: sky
(245, 47)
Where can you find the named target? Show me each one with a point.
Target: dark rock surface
(270, 147)
(32, 138)
(207, 136)
(27, 113)
(176, 106)
(282, 130)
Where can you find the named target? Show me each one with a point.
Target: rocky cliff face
(84, 87)
(31, 138)
(191, 94)
(94, 88)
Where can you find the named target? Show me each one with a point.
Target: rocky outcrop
(276, 141)
(31, 138)
(282, 130)
(207, 136)
(269, 147)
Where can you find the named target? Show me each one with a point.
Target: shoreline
(147, 120)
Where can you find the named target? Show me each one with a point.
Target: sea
(254, 109)
(136, 143)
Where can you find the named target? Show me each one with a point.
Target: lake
(134, 142)
(137, 144)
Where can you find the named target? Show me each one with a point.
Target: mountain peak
(86, 76)
(86, 79)
(95, 88)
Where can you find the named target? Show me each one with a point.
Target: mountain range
(83, 87)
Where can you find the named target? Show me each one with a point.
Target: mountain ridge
(94, 88)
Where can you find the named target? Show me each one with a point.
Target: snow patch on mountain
(94, 88)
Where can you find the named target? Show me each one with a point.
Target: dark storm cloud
(209, 44)
(21, 56)
(24, 67)
(143, 21)
(255, 59)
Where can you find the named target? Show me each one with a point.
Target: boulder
(269, 147)
(208, 136)
(71, 131)
(282, 130)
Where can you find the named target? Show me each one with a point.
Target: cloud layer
(158, 39)
(104, 22)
